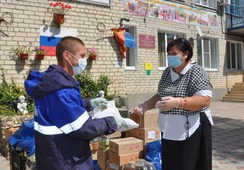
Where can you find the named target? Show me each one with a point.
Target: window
(131, 53)
(234, 55)
(236, 7)
(207, 53)
(163, 39)
(99, 2)
(209, 3)
(227, 6)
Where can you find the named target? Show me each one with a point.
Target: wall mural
(169, 11)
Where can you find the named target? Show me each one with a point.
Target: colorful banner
(169, 11)
(50, 36)
(136, 7)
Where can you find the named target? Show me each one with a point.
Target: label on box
(151, 134)
(147, 135)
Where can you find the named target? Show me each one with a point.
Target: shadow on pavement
(228, 139)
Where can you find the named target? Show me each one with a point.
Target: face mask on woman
(80, 67)
(174, 60)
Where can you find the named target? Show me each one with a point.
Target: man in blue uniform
(63, 127)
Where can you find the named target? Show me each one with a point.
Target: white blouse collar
(175, 76)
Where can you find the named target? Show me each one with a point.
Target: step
(239, 84)
(233, 100)
(233, 97)
(236, 92)
(237, 89)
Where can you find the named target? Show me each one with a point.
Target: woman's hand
(147, 105)
(138, 110)
(168, 103)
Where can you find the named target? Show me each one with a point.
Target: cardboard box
(102, 157)
(94, 155)
(121, 160)
(147, 120)
(116, 134)
(125, 145)
(147, 135)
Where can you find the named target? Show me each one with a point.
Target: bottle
(95, 145)
(142, 162)
(130, 166)
(150, 166)
(139, 167)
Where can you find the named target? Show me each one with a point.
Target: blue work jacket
(63, 127)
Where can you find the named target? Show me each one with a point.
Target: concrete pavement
(4, 164)
(228, 135)
(227, 132)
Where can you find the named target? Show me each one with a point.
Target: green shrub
(9, 94)
(90, 88)
(103, 83)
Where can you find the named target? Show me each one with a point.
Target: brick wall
(29, 15)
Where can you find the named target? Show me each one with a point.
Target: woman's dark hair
(183, 45)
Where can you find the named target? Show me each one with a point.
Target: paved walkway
(4, 164)
(228, 137)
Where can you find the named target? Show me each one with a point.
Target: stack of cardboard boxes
(132, 147)
(103, 152)
(148, 127)
(124, 150)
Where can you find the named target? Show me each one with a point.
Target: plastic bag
(112, 110)
(153, 153)
(23, 139)
(26, 130)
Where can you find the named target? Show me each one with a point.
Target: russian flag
(50, 36)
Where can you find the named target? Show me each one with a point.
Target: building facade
(214, 28)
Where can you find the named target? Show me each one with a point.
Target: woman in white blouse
(183, 98)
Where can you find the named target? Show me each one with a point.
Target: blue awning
(129, 40)
(238, 30)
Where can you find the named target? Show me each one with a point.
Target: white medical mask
(80, 67)
(174, 60)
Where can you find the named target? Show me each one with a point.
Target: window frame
(201, 61)
(176, 35)
(229, 55)
(199, 2)
(97, 2)
(134, 50)
(235, 8)
(227, 6)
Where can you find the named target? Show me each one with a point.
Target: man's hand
(168, 103)
(100, 102)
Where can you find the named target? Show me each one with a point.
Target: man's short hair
(68, 43)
